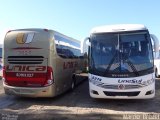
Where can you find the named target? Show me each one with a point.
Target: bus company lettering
(68, 65)
(130, 81)
(94, 78)
(21, 68)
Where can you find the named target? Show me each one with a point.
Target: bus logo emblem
(121, 87)
(21, 38)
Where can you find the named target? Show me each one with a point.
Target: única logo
(23, 38)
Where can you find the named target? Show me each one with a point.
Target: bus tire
(156, 73)
(73, 84)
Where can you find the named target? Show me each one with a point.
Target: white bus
(121, 62)
(40, 63)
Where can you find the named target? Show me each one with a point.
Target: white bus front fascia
(146, 83)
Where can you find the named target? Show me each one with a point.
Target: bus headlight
(97, 83)
(148, 82)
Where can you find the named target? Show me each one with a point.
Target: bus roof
(50, 31)
(118, 28)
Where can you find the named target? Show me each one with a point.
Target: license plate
(25, 91)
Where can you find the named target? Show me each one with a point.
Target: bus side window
(61, 51)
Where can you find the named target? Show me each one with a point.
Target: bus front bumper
(146, 92)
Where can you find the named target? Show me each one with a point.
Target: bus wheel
(73, 84)
(156, 73)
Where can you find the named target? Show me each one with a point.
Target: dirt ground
(78, 105)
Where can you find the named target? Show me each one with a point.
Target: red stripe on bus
(18, 79)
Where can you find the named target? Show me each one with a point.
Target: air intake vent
(25, 59)
(130, 94)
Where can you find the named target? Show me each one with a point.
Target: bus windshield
(127, 53)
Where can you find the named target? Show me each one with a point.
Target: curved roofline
(118, 28)
(50, 30)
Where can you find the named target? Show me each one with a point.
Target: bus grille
(25, 59)
(130, 94)
(116, 86)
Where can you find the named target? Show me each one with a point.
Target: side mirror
(156, 42)
(88, 42)
(155, 46)
(84, 45)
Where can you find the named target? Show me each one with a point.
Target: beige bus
(1, 46)
(40, 63)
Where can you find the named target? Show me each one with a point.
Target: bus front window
(120, 53)
(104, 49)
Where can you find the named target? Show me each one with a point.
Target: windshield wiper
(127, 61)
(111, 62)
(132, 67)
